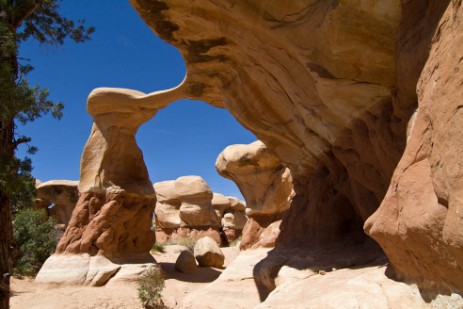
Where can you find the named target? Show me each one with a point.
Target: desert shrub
(34, 240)
(150, 287)
(188, 242)
(157, 247)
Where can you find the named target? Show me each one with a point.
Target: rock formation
(111, 223)
(420, 221)
(266, 185)
(231, 211)
(329, 87)
(62, 195)
(187, 207)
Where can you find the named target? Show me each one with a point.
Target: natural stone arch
(111, 223)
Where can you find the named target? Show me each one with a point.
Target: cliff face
(420, 221)
(329, 87)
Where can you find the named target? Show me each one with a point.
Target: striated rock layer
(111, 222)
(329, 87)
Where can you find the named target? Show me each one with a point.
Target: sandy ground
(27, 294)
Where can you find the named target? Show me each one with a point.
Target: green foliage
(188, 242)
(34, 240)
(150, 287)
(21, 102)
(157, 247)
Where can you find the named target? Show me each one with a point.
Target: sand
(28, 294)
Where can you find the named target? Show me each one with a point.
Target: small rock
(208, 253)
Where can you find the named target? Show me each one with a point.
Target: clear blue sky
(183, 139)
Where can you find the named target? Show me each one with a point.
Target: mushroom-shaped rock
(167, 205)
(261, 177)
(234, 220)
(62, 195)
(231, 210)
(208, 253)
(186, 262)
(265, 183)
(196, 208)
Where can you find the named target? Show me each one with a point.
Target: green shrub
(34, 240)
(150, 287)
(188, 242)
(157, 247)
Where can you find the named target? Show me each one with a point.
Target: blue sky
(183, 139)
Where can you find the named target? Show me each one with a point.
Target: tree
(21, 20)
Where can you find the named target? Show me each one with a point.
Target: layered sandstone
(58, 197)
(266, 185)
(111, 223)
(329, 87)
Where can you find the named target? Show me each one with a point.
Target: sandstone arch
(329, 87)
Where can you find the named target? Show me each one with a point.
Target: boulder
(61, 195)
(196, 209)
(186, 262)
(208, 253)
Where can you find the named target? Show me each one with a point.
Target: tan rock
(196, 208)
(63, 194)
(185, 202)
(264, 181)
(419, 223)
(113, 215)
(234, 220)
(314, 81)
(329, 88)
(167, 205)
(208, 253)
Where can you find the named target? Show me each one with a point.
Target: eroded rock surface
(329, 87)
(111, 223)
(265, 183)
(62, 194)
(187, 207)
(420, 221)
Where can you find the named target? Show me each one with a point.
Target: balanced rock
(231, 210)
(265, 182)
(186, 262)
(208, 253)
(62, 195)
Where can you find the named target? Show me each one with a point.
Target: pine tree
(22, 20)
